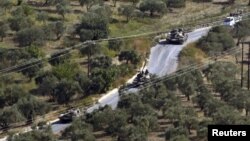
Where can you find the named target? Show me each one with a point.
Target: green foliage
(190, 55)
(202, 130)
(175, 3)
(127, 11)
(3, 29)
(42, 16)
(102, 10)
(63, 2)
(19, 22)
(218, 39)
(84, 83)
(49, 2)
(152, 6)
(134, 1)
(20, 18)
(102, 79)
(89, 51)
(6, 4)
(66, 70)
(35, 52)
(189, 82)
(30, 107)
(30, 36)
(132, 133)
(65, 90)
(59, 57)
(34, 135)
(241, 30)
(11, 57)
(202, 98)
(62, 10)
(180, 138)
(27, 10)
(79, 130)
(116, 122)
(174, 132)
(131, 56)
(10, 115)
(138, 109)
(93, 27)
(126, 101)
(88, 3)
(46, 83)
(155, 96)
(10, 95)
(101, 62)
(149, 123)
(211, 106)
(100, 118)
(54, 30)
(59, 29)
(225, 116)
(115, 44)
(220, 71)
(31, 69)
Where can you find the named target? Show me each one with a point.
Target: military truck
(177, 36)
(69, 115)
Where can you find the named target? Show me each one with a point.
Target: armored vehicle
(70, 115)
(177, 36)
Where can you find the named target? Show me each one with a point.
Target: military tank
(143, 77)
(177, 36)
(69, 115)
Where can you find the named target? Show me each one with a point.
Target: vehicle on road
(233, 18)
(69, 115)
(143, 77)
(177, 36)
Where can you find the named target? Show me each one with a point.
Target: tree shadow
(54, 19)
(225, 3)
(48, 10)
(76, 11)
(161, 135)
(35, 3)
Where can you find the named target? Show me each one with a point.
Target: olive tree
(79, 130)
(3, 30)
(10, 115)
(127, 11)
(92, 27)
(152, 6)
(29, 36)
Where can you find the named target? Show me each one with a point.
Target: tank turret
(178, 36)
(69, 115)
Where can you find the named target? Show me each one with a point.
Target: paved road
(163, 58)
(162, 61)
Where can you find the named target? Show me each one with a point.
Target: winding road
(163, 57)
(163, 60)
